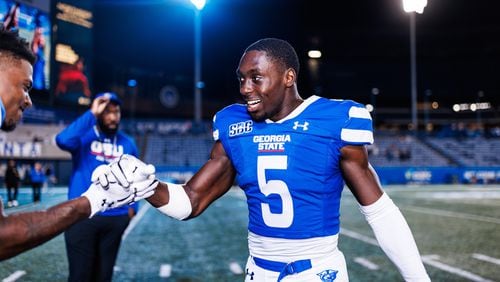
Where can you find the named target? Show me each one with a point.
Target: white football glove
(140, 176)
(107, 196)
(132, 174)
(129, 169)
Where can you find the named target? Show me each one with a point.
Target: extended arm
(213, 180)
(388, 224)
(22, 231)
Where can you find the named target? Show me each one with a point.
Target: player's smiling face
(262, 85)
(15, 84)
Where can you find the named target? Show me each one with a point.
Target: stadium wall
(439, 175)
(387, 175)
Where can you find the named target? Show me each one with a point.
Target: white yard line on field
(433, 261)
(358, 236)
(235, 268)
(135, 220)
(452, 214)
(165, 270)
(14, 276)
(366, 263)
(486, 258)
(429, 259)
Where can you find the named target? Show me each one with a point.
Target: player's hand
(140, 176)
(132, 174)
(129, 169)
(105, 193)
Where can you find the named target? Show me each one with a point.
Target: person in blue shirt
(37, 179)
(22, 231)
(94, 139)
(292, 157)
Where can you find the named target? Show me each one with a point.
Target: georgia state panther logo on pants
(328, 275)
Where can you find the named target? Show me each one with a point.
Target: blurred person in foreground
(292, 157)
(22, 231)
(94, 139)
(12, 179)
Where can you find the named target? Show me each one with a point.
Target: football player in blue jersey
(21, 231)
(292, 157)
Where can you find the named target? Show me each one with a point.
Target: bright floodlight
(199, 4)
(314, 54)
(414, 5)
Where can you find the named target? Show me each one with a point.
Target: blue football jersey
(289, 169)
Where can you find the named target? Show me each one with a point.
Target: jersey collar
(297, 110)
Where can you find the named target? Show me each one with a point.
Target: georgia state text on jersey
(289, 169)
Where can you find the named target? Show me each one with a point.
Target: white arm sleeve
(179, 205)
(395, 238)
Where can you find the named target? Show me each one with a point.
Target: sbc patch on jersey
(328, 275)
(239, 128)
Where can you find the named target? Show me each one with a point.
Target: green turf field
(457, 229)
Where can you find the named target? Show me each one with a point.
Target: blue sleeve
(135, 151)
(69, 138)
(135, 206)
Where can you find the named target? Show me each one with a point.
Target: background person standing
(94, 139)
(37, 179)
(12, 179)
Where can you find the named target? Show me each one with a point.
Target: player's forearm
(23, 231)
(160, 197)
(192, 198)
(172, 200)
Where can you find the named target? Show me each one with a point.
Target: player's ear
(290, 77)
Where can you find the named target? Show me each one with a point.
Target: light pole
(412, 6)
(427, 107)
(198, 84)
(480, 95)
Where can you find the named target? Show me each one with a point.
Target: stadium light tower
(412, 7)
(198, 84)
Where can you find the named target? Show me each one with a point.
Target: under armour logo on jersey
(297, 125)
(328, 275)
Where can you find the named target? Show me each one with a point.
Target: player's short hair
(279, 50)
(15, 47)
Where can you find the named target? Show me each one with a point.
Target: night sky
(365, 44)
